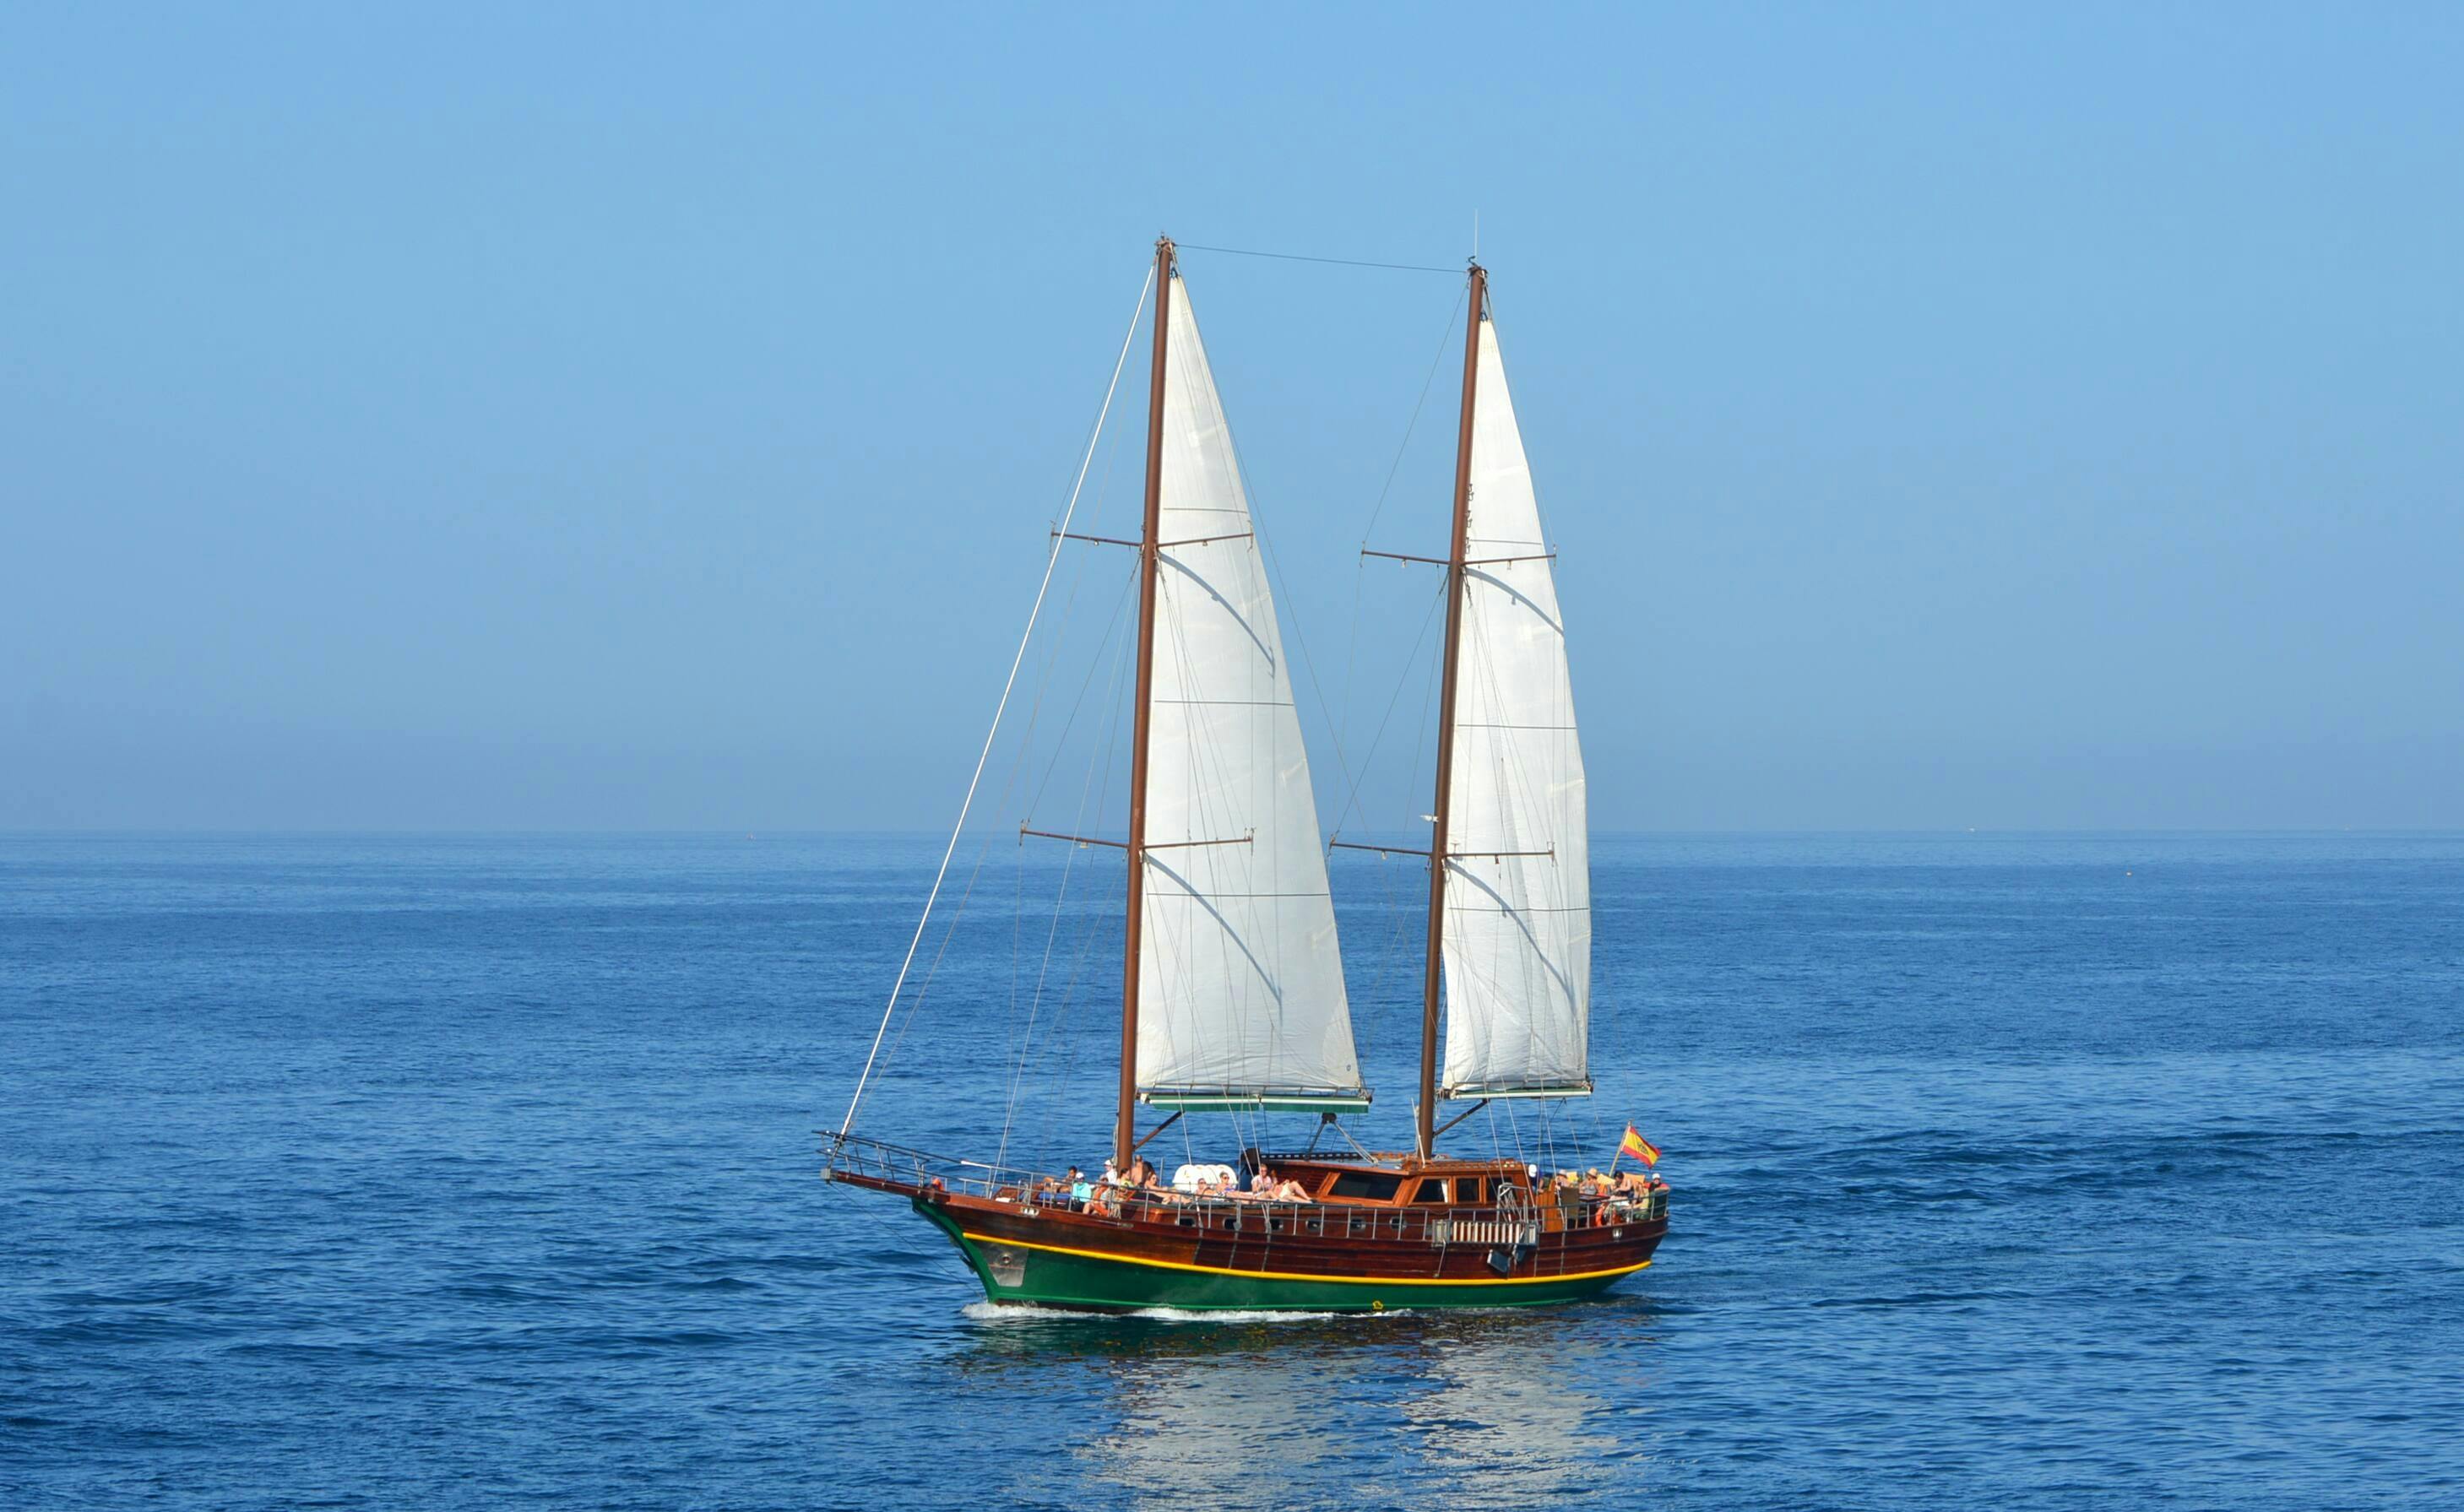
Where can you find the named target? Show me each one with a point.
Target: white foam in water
(1234, 1315)
(995, 1312)
(1012, 1312)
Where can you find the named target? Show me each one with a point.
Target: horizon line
(758, 832)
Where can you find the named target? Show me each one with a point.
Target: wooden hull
(1054, 1258)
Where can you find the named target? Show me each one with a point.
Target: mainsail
(1517, 940)
(1240, 998)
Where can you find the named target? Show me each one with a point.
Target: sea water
(2024, 1173)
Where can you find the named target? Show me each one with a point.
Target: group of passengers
(1593, 1184)
(1108, 1193)
(1612, 1198)
(1104, 1194)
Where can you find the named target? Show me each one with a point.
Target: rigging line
(1069, 862)
(1017, 934)
(983, 853)
(1100, 794)
(1112, 445)
(1060, 637)
(1410, 427)
(1389, 939)
(1309, 662)
(958, 915)
(1061, 1019)
(952, 934)
(1060, 742)
(1444, 340)
(1340, 262)
(1359, 576)
(1351, 644)
(1024, 1032)
(1352, 799)
(1050, 561)
(1067, 998)
(1089, 790)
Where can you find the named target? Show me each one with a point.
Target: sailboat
(1232, 987)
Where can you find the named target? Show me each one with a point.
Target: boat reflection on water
(1514, 1421)
(1485, 1408)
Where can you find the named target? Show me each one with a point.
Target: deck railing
(1501, 1223)
(852, 1156)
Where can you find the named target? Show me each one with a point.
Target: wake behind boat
(1233, 997)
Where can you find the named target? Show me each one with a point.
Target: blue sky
(632, 418)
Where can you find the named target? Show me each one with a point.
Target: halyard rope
(1051, 561)
(1340, 262)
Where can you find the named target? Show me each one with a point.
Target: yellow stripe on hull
(1288, 1275)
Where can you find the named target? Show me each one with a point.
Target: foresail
(1239, 983)
(1518, 894)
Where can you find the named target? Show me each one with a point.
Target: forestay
(1241, 996)
(1518, 896)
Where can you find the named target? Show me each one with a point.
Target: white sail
(1240, 982)
(1518, 891)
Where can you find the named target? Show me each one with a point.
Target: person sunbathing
(1288, 1192)
(1263, 1188)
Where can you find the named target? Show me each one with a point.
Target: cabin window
(1366, 1185)
(1433, 1190)
(1467, 1191)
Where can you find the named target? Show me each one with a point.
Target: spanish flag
(1639, 1148)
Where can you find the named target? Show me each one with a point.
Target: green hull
(1043, 1276)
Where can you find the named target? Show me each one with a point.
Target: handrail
(878, 1160)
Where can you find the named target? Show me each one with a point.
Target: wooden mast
(1427, 1111)
(1125, 1133)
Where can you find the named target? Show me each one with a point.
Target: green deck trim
(1459, 1093)
(1211, 1102)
